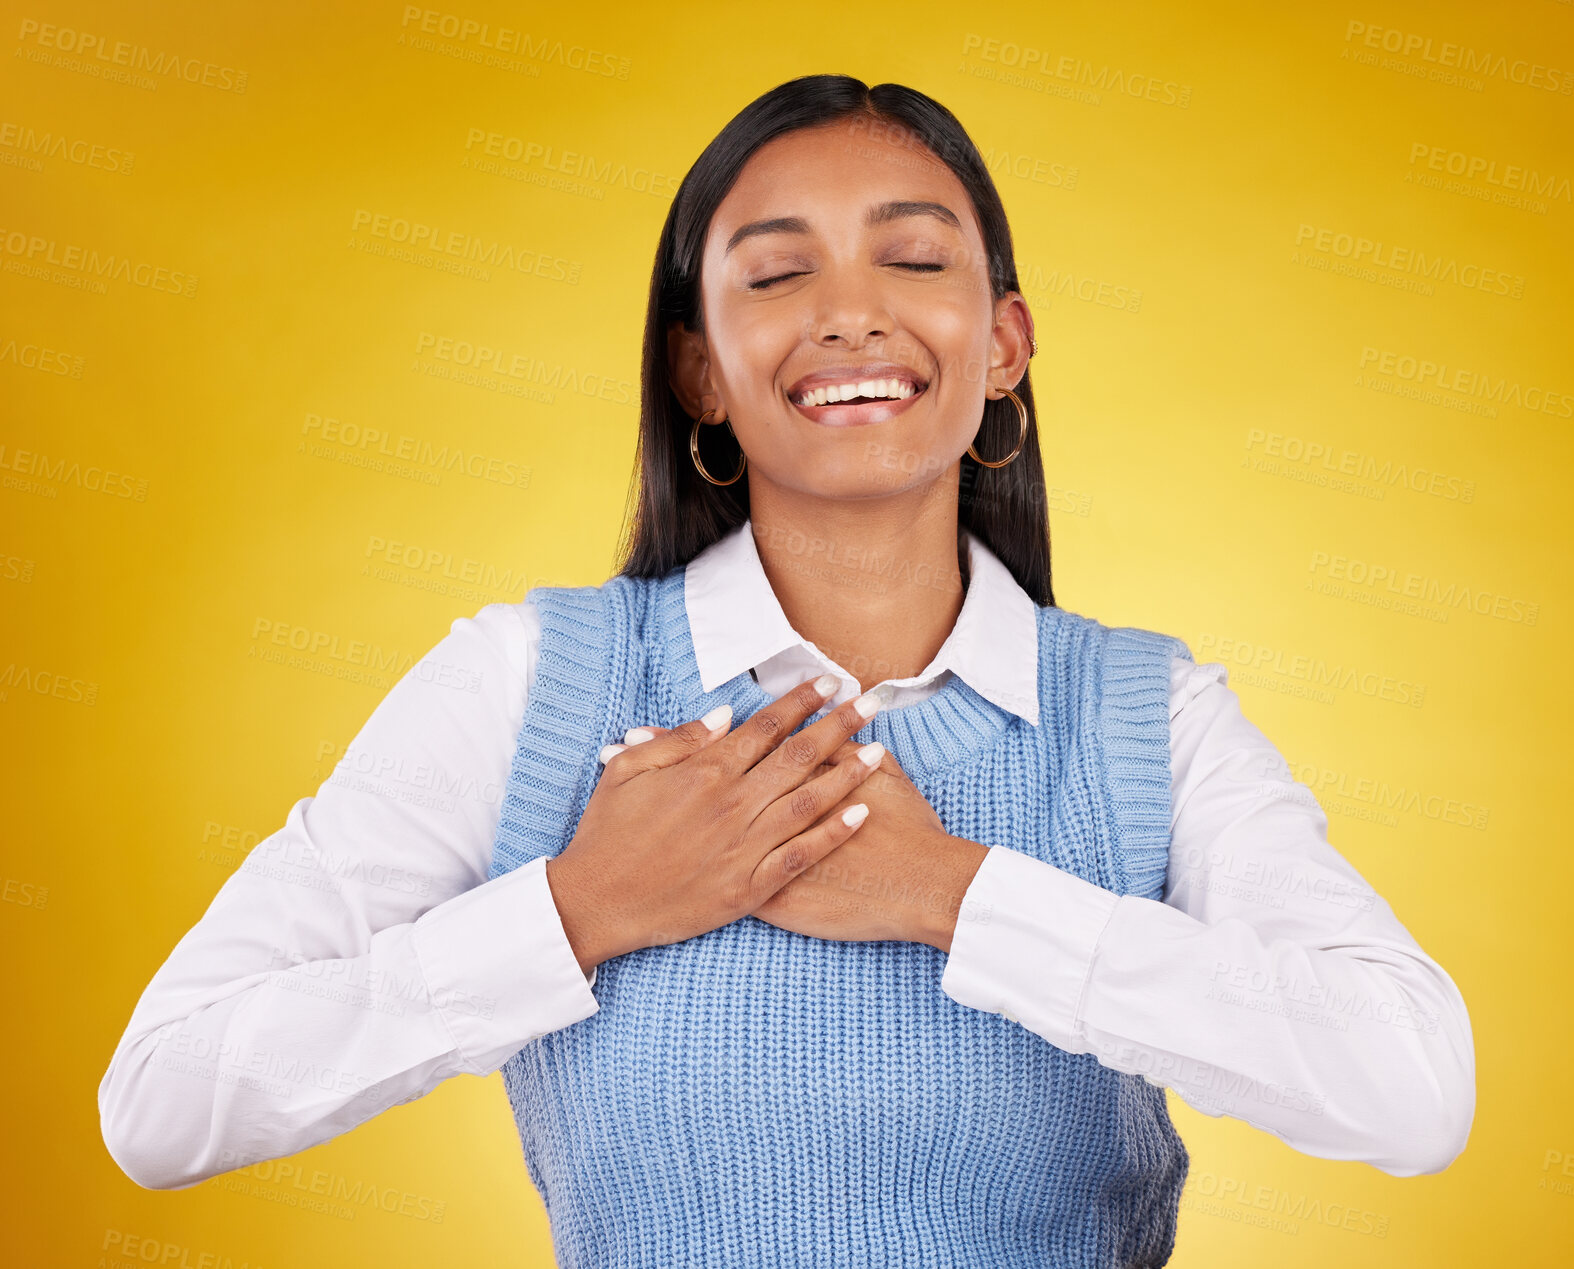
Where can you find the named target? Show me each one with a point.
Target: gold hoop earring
(694, 450)
(1022, 413)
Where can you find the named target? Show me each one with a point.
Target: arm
(1272, 984)
(358, 957)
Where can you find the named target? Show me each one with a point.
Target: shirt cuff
(1024, 944)
(499, 967)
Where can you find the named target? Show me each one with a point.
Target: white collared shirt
(360, 956)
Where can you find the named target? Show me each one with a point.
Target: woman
(764, 993)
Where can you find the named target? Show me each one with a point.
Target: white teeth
(899, 389)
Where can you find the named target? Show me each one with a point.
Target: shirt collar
(737, 623)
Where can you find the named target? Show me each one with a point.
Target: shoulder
(1141, 672)
(498, 634)
(592, 602)
(1192, 684)
(513, 632)
(584, 620)
(1116, 649)
(1122, 675)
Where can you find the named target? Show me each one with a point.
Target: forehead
(831, 174)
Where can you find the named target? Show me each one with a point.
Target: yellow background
(1174, 507)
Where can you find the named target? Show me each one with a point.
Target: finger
(639, 735)
(800, 807)
(796, 758)
(633, 736)
(671, 745)
(798, 854)
(771, 724)
(888, 763)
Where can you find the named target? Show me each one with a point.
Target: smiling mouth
(860, 410)
(892, 389)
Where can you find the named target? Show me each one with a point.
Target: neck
(876, 586)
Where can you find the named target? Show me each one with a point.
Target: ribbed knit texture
(755, 1097)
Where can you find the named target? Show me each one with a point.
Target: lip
(839, 415)
(857, 374)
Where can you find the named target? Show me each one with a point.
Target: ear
(1012, 343)
(688, 371)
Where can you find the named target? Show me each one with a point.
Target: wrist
(956, 862)
(582, 914)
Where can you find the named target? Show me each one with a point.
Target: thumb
(633, 736)
(847, 748)
(672, 744)
(638, 735)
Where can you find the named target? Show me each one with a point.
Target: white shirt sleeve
(1272, 984)
(359, 956)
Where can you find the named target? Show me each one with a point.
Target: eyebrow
(879, 214)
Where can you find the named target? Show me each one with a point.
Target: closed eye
(922, 267)
(780, 277)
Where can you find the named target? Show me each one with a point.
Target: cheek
(955, 328)
(754, 347)
(964, 360)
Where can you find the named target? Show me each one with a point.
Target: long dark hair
(678, 513)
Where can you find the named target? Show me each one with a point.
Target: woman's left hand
(900, 876)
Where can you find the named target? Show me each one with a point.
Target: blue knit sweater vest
(756, 1097)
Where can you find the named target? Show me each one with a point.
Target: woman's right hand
(694, 828)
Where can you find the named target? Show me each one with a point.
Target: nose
(850, 309)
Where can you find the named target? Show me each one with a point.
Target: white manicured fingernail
(867, 704)
(854, 815)
(871, 754)
(611, 750)
(637, 735)
(717, 718)
(827, 684)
